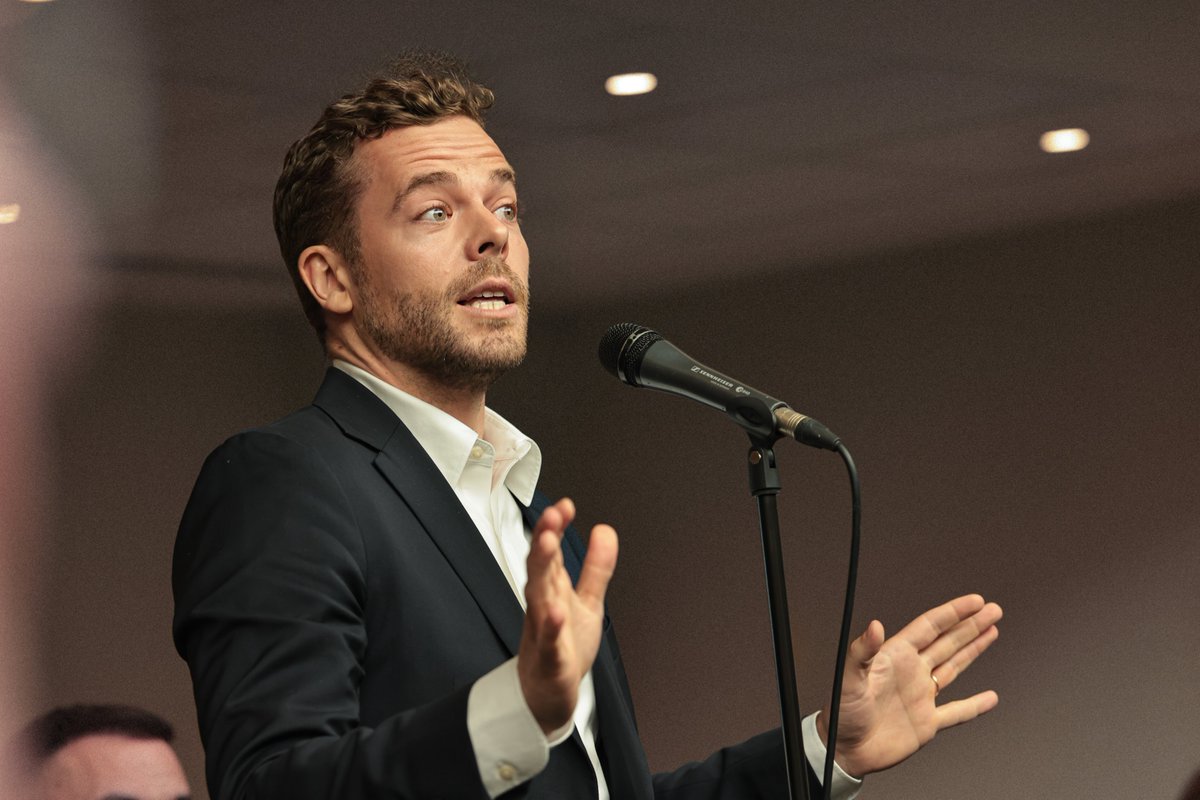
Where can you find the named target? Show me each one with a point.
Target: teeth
(488, 300)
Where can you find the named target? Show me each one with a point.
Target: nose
(488, 235)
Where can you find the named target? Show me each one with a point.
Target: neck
(463, 403)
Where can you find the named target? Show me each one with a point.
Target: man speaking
(372, 597)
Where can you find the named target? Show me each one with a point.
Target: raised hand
(889, 689)
(562, 623)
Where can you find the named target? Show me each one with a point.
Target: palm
(563, 623)
(575, 649)
(888, 709)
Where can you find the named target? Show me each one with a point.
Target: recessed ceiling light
(1065, 140)
(630, 83)
(36, 1)
(9, 212)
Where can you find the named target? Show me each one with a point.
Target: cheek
(407, 265)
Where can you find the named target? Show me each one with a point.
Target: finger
(548, 625)
(958, 663)
(962, 635)
(556, 517)
(544, 570)
(864, 649)
(566, 507)
(960, 711)
(544, 552)
(925, 629)
(545, 602)
(861, 653)
(598, 565)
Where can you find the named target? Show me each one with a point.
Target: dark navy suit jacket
(335, 603)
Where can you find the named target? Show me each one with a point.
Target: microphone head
(617, 357)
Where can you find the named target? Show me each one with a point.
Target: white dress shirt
(486, 473)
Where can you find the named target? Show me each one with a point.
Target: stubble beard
(417, 329)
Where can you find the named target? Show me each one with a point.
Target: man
(373, 599)
(103, 752)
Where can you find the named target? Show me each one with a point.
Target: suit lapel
(407, 467)
(411, 472)
(621, 751)
(413, 475)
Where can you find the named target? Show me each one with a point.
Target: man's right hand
(563, 623)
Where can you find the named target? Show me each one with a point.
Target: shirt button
(476, 452)
(507, 772)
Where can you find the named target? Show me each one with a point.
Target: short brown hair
(319, 186)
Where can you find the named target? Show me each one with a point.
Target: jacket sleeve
(755, 768)
(269, 579)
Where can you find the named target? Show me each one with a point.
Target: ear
(327, 277)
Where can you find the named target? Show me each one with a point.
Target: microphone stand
(765, 486)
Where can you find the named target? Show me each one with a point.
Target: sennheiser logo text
(711, 377)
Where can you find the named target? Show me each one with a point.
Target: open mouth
(487, 301)
(490, 296)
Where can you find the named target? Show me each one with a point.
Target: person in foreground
(101, 752)
(373, 598)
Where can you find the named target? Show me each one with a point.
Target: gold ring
(937, 685)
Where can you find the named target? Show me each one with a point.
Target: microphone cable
(625, 350)
(847, 614)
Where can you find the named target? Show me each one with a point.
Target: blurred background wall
(843, 206)
(1023, 409)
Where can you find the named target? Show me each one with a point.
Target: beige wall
(1023, 409)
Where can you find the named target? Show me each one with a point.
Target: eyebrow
(444, 178)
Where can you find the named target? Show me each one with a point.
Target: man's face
(443, 270)
(106, 766)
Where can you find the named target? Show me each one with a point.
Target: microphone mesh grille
(625, 365)
(612, 342)
(631, 359)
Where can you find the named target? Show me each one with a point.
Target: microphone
(641, 357)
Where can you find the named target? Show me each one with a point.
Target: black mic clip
(756, 417)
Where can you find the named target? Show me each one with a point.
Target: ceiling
(782, 135)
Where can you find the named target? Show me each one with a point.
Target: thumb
(598, 565)
(864, 649)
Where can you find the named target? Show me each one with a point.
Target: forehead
(112, 763)
(457, 144)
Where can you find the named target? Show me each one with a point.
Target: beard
(417, 329)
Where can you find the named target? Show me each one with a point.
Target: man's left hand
(889, 689)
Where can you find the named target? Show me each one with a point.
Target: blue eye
(507, 212)
(436, 214)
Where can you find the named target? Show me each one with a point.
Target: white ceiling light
(9, 212)
(1065, 140)
(630, 83)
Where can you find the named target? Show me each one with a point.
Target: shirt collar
(449, 442)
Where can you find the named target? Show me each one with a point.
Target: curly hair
(319, 187)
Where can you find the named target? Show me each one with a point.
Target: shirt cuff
(509, 745)
(844, 787)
